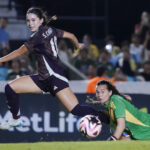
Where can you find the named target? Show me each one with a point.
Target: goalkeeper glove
(112, 138)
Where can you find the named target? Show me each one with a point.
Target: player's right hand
(81, 46)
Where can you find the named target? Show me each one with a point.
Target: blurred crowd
(127, 61)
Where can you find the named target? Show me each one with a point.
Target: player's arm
(17, 53)
(73, 38)
(119, 114)
(120, 128)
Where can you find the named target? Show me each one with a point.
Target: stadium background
(113, 16)
(95, 17)
(98, 18)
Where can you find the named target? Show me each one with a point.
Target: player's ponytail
(53, 18)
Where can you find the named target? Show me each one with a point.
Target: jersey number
(53, 43)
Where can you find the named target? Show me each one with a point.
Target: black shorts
(51, 84)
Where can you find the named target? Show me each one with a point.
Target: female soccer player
(124, 117)
(51, 77)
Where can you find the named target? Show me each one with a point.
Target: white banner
(79, 86)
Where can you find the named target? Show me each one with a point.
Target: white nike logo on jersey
(55, 87)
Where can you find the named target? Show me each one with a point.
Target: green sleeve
(119, 107)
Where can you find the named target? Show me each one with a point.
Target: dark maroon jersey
(44, 44)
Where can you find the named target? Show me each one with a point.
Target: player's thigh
(24, 85)
(68, 99)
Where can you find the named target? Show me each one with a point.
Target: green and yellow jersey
(137, 122)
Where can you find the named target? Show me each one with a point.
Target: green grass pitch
(92, 145)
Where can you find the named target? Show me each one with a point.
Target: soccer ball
(90, 126)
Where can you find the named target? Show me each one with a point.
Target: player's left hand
(81, 45)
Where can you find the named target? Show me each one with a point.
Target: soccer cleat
(11, 123)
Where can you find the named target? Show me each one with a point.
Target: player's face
(33, 22)
(103, 94)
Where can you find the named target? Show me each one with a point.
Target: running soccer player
(128, 122)
(51, 76)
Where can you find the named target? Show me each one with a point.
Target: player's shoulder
(115, 97)
(116, 100)
(47, 31)
(47, 28)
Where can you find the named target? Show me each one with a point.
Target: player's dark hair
(111, 87)
(41, 14)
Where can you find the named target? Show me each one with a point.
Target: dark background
(116, 17)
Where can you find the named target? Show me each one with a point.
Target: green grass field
(102, 145)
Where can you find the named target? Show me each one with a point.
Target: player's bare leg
(67, 98)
